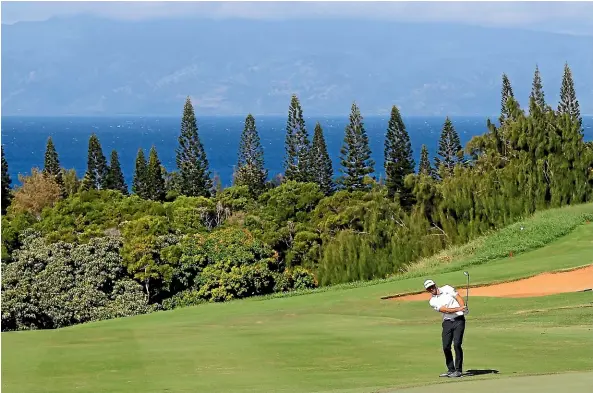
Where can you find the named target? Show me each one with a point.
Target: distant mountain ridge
(92, 66)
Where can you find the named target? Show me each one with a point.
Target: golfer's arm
(450, 310)
(460, 301)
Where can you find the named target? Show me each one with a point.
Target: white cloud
(555, 16)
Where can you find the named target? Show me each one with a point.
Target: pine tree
(250, 165)
(568, 98)
(139, 184)
(6, 182)
(115, 176)
(425, 168)
(537, 102)
(507, 92)
(216, 185)
(399, 161)
(449, 149)
(96, 173)
(87, 182)
(355, 154)
(51, 165)
(194, 175)
(297, 160)
(321, 163)
(155, 182)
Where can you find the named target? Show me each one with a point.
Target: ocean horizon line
(106, 116)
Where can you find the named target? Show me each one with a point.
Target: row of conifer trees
(305, 160)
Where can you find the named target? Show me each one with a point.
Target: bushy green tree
(71, 182)
(284, 212)
(143, 239)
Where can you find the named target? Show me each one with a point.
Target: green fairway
(339, 340)
(569, 382)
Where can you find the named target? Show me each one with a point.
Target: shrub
(61, 284)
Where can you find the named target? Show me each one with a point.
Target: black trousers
(453, 333)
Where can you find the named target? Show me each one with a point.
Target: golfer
(447, 301)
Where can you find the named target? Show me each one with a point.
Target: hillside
(341, 339)
(91, 66)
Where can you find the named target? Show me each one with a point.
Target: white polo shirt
(446, 298)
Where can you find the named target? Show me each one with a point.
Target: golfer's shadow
(480, 372)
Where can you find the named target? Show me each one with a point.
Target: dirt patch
(541, 285)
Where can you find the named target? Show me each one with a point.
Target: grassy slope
(336, 340)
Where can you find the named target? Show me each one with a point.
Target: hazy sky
(573, 17)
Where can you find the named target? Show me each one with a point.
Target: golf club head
(466, 273)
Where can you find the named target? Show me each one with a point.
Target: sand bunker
(540, 285)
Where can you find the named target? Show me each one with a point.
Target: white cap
(428, 284)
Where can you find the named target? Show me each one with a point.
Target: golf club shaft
(467, 292)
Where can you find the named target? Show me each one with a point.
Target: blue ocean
(24, 139)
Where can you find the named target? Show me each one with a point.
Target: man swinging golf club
(447, 301)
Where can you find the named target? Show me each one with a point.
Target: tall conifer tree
(537, 102)
(297, 160)
(250, 165)
(449, 150)
(155, 182)
(424, 167)
(355, 153)
(321, 163)
(399, 160)
(506, 93)
(6, 182)
(568, 97)
(140, 182)
(96, 174)
(194, 174)
(51, 164)
(115, 176)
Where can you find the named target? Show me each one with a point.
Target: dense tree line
(77, 250)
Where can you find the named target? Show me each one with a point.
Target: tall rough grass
(532, 233)
(539, 230)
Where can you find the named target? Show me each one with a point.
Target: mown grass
(567, 382)
(335, 340)
(293, 345)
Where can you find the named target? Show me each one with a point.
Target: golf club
(467, 293)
